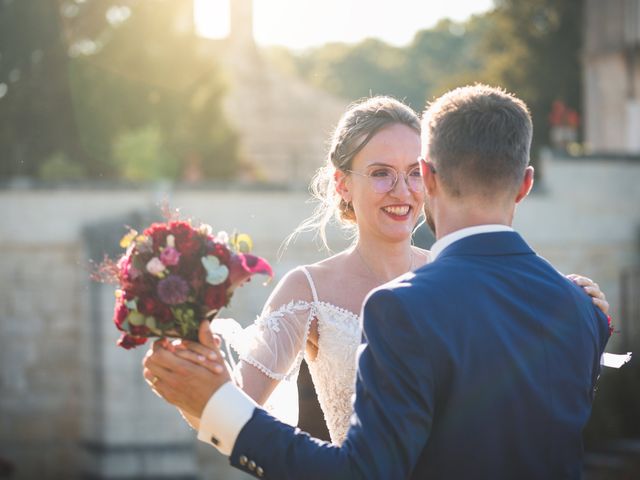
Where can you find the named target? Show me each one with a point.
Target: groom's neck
(459, 214)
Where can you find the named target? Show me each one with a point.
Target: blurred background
(223, 108)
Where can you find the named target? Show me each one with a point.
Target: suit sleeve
(392, 418)
(602, 337)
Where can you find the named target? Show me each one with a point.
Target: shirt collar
(447, 240)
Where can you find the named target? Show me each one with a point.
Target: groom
(482, 364)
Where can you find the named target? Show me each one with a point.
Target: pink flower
(128, 271)
(243, 266)
(155, 266)
(170, 256)
(173, 290)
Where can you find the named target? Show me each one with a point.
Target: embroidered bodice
(333, 371)
(275, 344)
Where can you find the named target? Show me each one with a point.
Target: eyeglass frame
(405, 176)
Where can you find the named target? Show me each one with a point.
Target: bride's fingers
(591, 287)
(602, 305)
(595, 292)
(200, 360)
(580, 280)
(181, 345)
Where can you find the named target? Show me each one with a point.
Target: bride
(371, 184)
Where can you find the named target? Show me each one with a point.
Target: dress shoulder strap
(311, 284)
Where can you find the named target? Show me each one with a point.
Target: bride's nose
(401, 187)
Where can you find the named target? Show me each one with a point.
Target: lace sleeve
(274, 346)
(276, 342)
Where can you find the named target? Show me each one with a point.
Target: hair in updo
(358, 125)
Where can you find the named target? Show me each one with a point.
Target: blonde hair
(357, 126)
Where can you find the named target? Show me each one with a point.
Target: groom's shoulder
(429, 278)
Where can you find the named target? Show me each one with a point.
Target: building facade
(611, 60)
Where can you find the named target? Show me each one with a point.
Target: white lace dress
(275, 344)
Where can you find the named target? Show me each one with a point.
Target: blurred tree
(530, 47)
(141, 156)
(36, 114)
(152, 69)
(533, 49)
(413, 73)
(444, 57)
(58, 167)
(370, 67)
(123, 66)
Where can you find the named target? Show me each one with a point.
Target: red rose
(139, 330)
(193, 272)
(189, 245)
(137, 288)
(151, 306)
(188, 241)
(215, 297)
(120, 313)
(163, 314)
(129, 342)
(158, 233)
(219, 250)
(147, 305)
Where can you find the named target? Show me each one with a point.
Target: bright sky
(303, 23)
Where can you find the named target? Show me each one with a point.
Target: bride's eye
(415, 172)
(381, 172)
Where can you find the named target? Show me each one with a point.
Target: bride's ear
(342, 185)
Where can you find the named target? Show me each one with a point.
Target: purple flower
(173, 290)
(170, 256)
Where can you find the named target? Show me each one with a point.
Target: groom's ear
(428, 172)
(526, 185)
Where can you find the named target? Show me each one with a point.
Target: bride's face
(390, 215)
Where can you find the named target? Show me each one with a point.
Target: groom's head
(476, 143)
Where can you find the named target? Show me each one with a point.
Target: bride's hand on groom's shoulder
(182, 382)
(593, 290)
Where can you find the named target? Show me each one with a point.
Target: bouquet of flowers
(174, 275)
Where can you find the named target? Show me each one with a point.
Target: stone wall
(58, 403)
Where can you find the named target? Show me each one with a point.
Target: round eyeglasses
(384, 179)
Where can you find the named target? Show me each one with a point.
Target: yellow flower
(242, 243)
(128, 238)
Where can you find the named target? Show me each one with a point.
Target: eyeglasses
(384, 179)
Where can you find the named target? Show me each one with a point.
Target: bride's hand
(593, 290)
(199, 354)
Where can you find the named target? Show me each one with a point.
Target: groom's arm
(390, 427)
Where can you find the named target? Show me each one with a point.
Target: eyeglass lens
(385, 179)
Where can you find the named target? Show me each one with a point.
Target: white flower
(216, 273)
(222, 237)
(205, 229)
(155, 267)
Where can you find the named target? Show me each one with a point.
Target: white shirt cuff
(226, 412)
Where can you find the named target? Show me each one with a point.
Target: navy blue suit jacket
(479, 365)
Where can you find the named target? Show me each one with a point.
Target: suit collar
(491, 243)
(449, 239)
